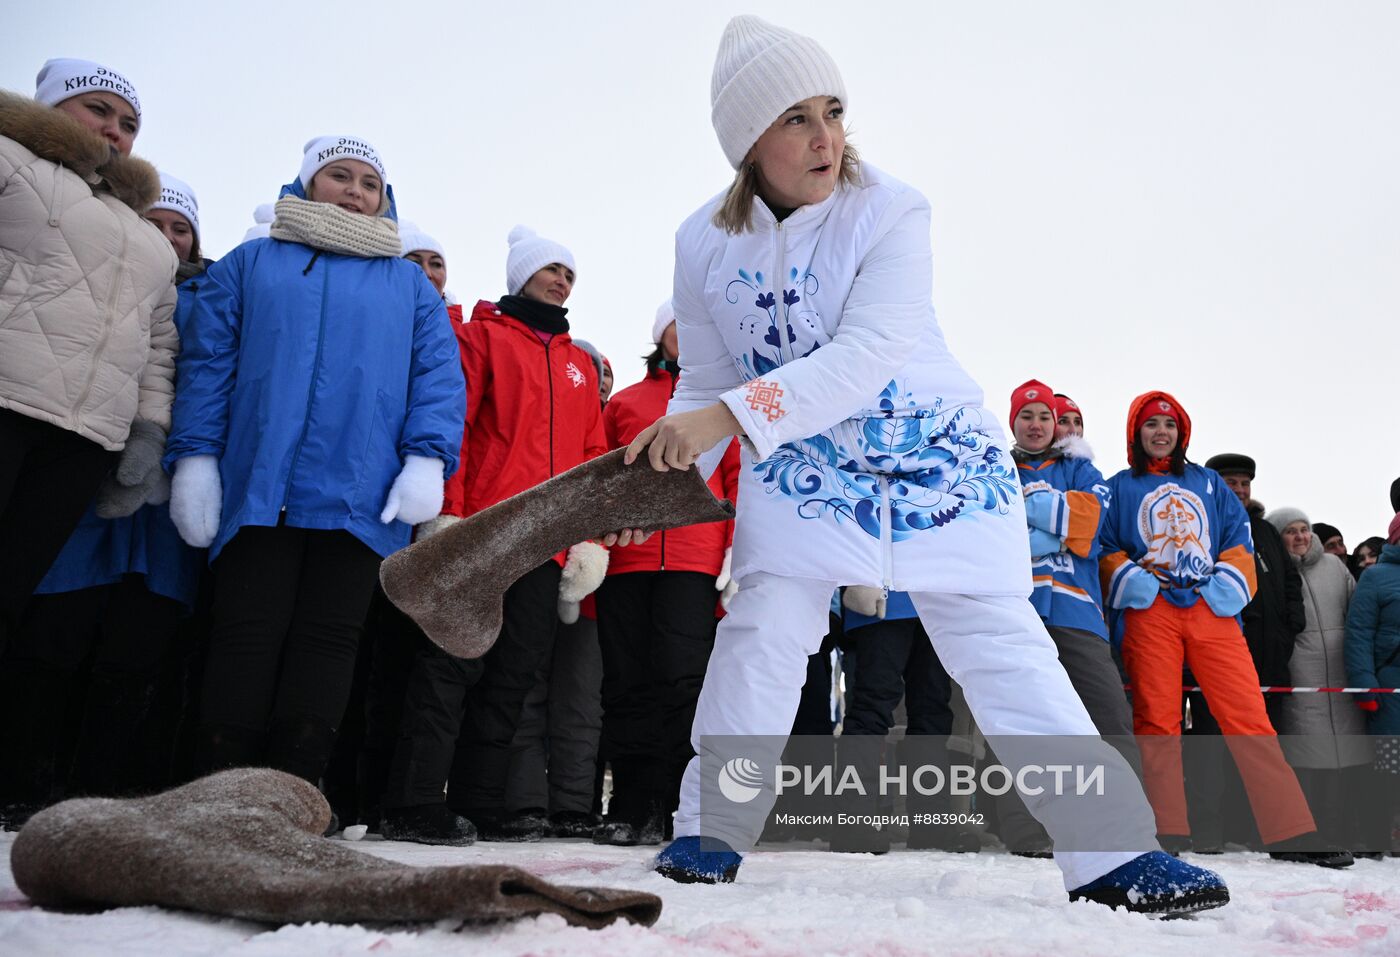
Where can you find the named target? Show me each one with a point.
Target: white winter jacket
(871, 460)
(87, 337)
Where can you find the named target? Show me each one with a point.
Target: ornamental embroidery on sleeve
(766, 398)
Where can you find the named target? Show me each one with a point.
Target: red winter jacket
(532, 410)
(694, 548)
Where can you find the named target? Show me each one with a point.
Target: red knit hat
(1153, 403)
(1063, 404)
(1032, 390)
(1392, 534)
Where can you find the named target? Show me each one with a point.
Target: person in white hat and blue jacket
(802, 299)
(320, 402)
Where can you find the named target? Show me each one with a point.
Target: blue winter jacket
(1372, 647)
(311, 375)
(1066, 499)
(101, 551)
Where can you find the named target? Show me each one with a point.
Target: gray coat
(1331, 728)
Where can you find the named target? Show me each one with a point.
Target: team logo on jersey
(575, 375)
(1172, 521)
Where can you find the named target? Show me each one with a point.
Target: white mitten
(416, 494)
(197, 499)
(434, 525)
(865, 600)
(724, 581)
(584, 570)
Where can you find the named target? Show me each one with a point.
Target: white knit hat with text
(324, 150)
(529, 253)
(62, 79)
(760, 71)
(176, 196)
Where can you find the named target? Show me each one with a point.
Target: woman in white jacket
(802, 298)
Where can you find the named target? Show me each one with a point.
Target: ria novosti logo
(740, 780)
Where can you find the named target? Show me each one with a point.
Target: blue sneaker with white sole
(1158, 884)
(698, 860)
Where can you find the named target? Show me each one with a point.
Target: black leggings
(48, 475)
(289, 606)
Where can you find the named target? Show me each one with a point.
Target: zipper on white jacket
(779, 251)
(886, 537)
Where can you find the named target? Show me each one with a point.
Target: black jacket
(1275, 616)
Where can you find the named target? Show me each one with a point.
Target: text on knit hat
(62, 79)
(177, 196)
(324, 150)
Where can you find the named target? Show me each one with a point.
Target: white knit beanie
(62, 79)
(176, 196)
(324, 150)
(415, 240)
(1281, 518)
(665, 315)
(529, 253)
(263, 216)
(760, 71)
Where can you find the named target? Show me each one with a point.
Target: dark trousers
(393, 642)
(76, 688)
(554, 755)
(1088, 660)
(48, 475)
(460, 714)
(656, 631)
(289, 606)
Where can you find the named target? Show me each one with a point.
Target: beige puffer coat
(1322, 730)
(87, 338)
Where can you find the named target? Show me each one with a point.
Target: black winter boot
(427, 824)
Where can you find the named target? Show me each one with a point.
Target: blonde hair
(735, 214)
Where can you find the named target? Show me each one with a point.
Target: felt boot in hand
(452, 584)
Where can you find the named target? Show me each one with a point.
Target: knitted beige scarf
(334, 230)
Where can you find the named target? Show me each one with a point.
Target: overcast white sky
(1197, 196)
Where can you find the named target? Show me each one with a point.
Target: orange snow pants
(1156, 642)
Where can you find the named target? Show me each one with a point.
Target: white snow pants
(997, 650)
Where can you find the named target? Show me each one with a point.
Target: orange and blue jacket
(1187, 533)
(1066, 501)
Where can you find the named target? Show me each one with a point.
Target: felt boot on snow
(1158, 884)
(427, 824)
(622, 833)
(520, 827)
(453, 583)
(698, 860)
(573, 824)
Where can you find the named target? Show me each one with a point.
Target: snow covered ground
(791, 903)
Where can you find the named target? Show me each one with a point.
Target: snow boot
(629, 833)
(1325, 856)
(573, 824)
(427, 824)
(521, 827)
(698, 860)
(1157, 884)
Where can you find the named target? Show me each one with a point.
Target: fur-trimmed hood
(58, 138)
(1070, 447)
